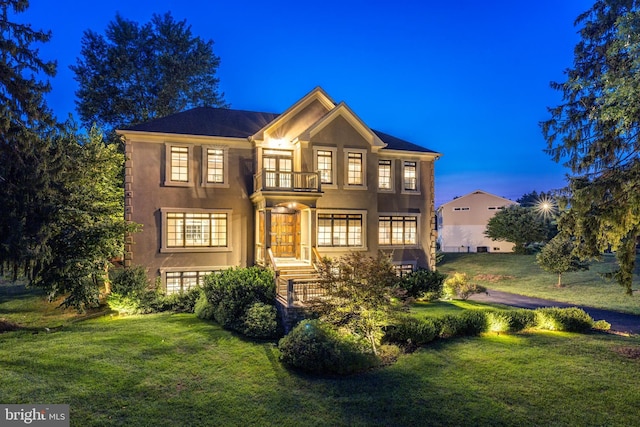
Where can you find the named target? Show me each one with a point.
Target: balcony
(279, 181)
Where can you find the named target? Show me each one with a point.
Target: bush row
(411, 332)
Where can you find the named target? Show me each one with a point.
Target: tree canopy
(29, 164)
(595, 132)
(558, 257)
(134, 73)
(518, 225)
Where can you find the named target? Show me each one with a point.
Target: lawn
(174, 369)
(521, 275)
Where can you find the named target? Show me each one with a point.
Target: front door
(284, 238)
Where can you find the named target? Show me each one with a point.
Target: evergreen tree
(29, 164)
(595, 131)
(136, 73)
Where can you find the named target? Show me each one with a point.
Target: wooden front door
(284, 234)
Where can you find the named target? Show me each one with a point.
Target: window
(385, 176)
(403, 269)
(215, 165)
(410, 176)
(355, 169)
(342, 230)
(177, 165)
(398, 230)
(196, 229)
(181, 281)
(325, 166)
(460, 209)
(180, 164)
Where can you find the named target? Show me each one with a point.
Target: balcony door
(284, 234)
(278, 168)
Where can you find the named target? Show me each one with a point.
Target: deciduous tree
(518, 225)
(134, 73)
(595, 131)
(361, 294)
(558, 257)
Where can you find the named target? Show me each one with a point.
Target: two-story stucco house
(216, 188)
(463, 221)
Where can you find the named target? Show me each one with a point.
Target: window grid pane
(384, 230)
(196, 229)
(325, 166)
(398, 230)
(340, 230)
(215, 165)
(384, 174)
(354, 170)
(410, 176)
(180, 164)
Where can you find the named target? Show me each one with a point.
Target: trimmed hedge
(511, 320)
(572, 319)
(412, 332)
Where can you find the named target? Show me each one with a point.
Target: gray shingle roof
(209, 121)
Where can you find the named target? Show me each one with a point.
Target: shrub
(181, 302)
(473, 322)
(572, 319)
(131, 292)
(317, 347)
(601, 325)
(458, 286)
(260, 321)
(449, 326)
(411, 332)
(423, 283)
(203, 308)
(511, 320)
(233, 291)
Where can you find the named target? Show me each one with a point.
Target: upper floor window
(324, 160)
(385, 175)
(355, 168)
(410, 176)
(460, 209)
(178, 162)
(215, 164)
(398, 230)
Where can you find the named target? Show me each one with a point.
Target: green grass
(521, 275)
(169, 370)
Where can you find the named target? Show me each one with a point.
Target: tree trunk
(559, 285)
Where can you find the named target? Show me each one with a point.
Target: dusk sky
(469, 79)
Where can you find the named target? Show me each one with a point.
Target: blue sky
(469, 79)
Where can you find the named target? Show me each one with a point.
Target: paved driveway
(620, 322)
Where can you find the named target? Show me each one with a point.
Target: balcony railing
(286, 181)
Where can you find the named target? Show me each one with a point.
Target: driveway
(620, 322)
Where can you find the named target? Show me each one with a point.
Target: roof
(458, 199)
(223, 122)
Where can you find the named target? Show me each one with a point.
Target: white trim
(334, 165)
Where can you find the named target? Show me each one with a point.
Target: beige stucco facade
(303, 184)
(463, 221)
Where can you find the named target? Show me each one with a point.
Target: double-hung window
(398, 230)
(178, 165)
(325, 166)
(355, 168)
(410, 176)
(214, 160)
(385, 175)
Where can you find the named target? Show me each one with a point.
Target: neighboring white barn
(463, 221)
